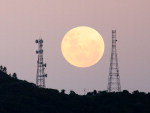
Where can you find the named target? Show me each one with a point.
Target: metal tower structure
(40, 76)
(114, 78)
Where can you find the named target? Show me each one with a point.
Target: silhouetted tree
(1, 68)
(72, 93)
(94, 92)
(62, 91)
(14, 75)
(89, 94)
(4, 70)
(125, 92)
(135, 92)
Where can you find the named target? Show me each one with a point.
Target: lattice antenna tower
(40, 76)
(114, 77)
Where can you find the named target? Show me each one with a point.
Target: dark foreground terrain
(17, 96)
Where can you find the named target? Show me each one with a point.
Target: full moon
(82, 46)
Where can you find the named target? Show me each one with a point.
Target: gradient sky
(22, 21)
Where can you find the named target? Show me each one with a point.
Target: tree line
(20, 96)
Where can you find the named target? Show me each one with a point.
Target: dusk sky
(22, 22)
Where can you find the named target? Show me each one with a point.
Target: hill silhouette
(18, 96)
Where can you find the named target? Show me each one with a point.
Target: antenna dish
(45, 75)
(40, 51)
(41, 41)
(36, 41)
(44, 65)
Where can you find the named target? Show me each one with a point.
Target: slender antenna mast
(40, 76)
(114, 78)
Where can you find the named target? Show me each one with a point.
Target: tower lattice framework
(114, 77)
(40, 76)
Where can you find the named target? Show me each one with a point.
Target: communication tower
(114, 78)
(40, 76)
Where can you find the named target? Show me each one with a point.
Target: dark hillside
(17, 96)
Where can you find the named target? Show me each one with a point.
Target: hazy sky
(22, 21)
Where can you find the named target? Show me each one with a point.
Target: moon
(82, 46)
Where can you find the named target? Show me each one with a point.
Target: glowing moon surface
(82, 46)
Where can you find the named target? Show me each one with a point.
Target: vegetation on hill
(17, 96)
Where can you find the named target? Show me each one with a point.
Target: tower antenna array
(40, 76)
(114, 77)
